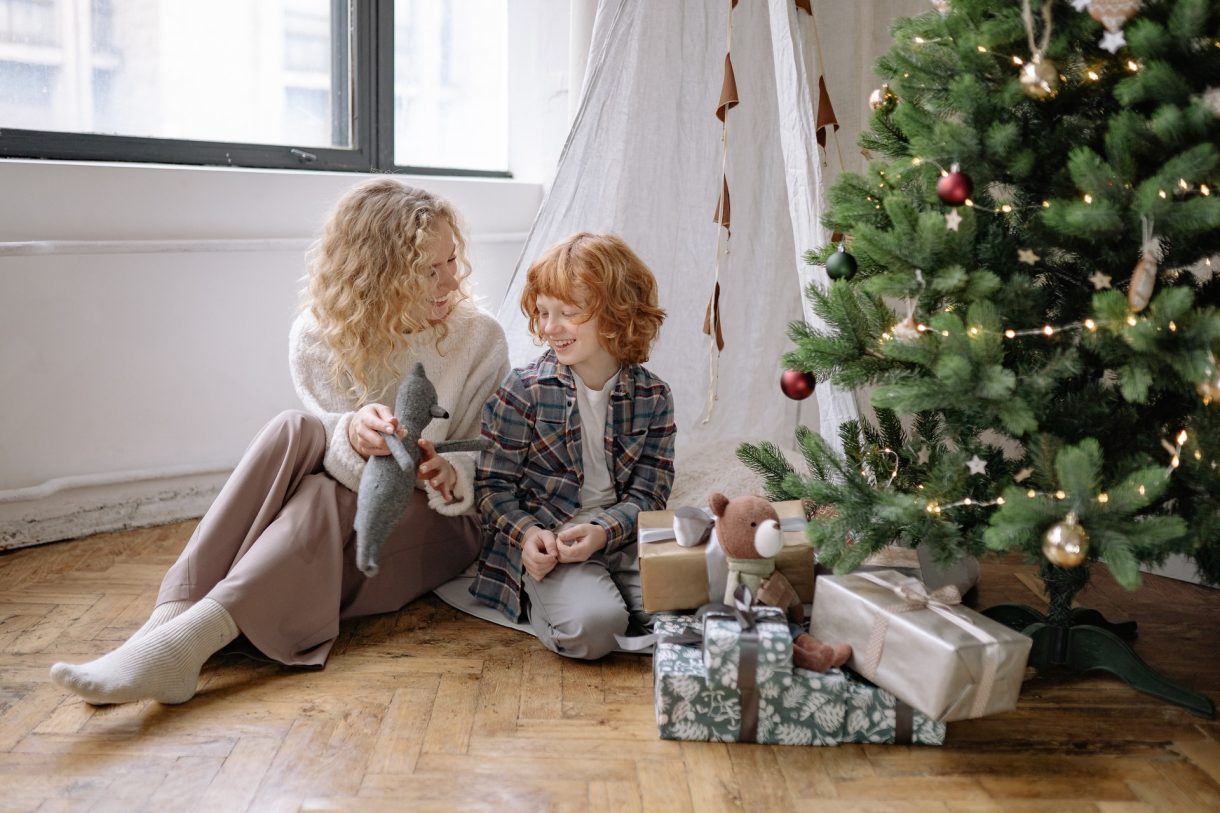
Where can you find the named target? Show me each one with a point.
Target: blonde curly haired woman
(274, 557)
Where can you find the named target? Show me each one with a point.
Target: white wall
(144, 310)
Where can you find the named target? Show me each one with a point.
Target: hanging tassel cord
(713, 367)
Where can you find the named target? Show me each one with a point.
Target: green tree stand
(1082, 640)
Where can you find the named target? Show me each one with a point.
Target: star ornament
(977, 465)
(1113, 40)
(924, 455)
(1100, 281)
(1027, 256)
(953, 220)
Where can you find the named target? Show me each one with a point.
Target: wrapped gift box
(676, 578)
(918, 562)
(698, 696)
(947, 661)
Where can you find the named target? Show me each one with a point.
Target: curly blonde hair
(601, 274)
(370, 279)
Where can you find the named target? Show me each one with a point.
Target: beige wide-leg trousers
(277, 549)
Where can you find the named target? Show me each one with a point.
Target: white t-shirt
(597, 491)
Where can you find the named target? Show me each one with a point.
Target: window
(28, 21)
(450, 82)
(360, 85)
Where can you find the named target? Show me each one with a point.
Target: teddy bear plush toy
(749, 533)
(387, 481)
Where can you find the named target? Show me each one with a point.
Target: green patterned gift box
(700, 690)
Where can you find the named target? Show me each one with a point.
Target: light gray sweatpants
(579, 608)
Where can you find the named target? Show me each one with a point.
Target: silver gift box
(945, 660)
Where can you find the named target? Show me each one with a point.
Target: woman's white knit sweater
(465, 369)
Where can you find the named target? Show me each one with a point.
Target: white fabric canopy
(643, 159)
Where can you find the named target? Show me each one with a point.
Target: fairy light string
(1181, 189)
(1174, 448)
(1091, 72)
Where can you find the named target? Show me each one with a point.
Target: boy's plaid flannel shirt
(532, 475)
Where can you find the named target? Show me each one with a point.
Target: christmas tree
(1025, 291)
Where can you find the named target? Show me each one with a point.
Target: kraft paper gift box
(698, 696)
(673, 577)
(947, 661)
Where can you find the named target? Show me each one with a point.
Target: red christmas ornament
(954, 188)
(797, 384)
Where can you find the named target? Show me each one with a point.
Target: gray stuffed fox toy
(385, 486)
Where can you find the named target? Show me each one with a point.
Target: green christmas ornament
(840, 265)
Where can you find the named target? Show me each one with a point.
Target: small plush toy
(749, 534)
(385, 486)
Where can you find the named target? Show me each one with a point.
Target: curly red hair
(604, 277)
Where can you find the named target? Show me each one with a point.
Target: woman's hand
(539, 552)
(436, 470)
(578, 543)
(365, 428)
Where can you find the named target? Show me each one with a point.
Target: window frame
(370, 89)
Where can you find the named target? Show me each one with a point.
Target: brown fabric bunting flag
(804, 6)
(728, 90)
(711, 320)
(825, 115)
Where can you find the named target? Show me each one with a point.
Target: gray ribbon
(691, 635)
(701, 519)
(747, 662)
(904, 723)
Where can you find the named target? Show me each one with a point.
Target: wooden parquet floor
(428, 709)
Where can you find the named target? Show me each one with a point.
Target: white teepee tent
(644, 159)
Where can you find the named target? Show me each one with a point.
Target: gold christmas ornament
(1040, 78)
(1065, 544)
(881, 97)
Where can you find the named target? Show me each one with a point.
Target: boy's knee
(590, 634)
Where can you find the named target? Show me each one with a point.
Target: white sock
(161, 614)
(161, 665)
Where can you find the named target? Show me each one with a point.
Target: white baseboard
(76, 507)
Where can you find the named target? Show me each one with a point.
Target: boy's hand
(365, 428)
(578, 543)
(438, 471)
(539, 552)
